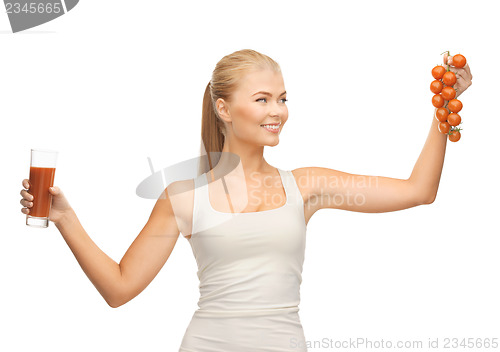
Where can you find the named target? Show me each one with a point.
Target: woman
(247, 219)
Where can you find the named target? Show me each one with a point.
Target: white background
(113, 82)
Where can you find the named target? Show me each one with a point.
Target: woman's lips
(271, 129)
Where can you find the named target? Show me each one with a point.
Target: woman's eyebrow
(267, 93)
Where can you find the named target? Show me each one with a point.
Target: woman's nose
(276, 109)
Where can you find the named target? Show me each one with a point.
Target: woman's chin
(273, 144)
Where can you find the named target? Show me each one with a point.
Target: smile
(272, 128)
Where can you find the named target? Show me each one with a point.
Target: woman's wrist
(68, 217)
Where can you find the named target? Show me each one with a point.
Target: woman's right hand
(59, 208)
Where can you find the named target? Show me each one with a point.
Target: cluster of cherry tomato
(444, 98)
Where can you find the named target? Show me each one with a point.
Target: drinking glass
(42, 172)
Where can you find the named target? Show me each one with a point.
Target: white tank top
(249, 261)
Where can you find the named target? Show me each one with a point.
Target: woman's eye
(284, 99)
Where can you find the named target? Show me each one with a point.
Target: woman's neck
(241, 162)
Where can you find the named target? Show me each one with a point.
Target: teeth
(271, 126)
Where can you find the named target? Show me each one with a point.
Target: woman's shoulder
(181, 195)
(302, 176)
(302, 173)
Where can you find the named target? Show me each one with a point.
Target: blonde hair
(225, 79)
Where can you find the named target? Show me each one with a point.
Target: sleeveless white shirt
(250, 271)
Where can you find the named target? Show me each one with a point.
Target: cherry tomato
(459, 61)
(437, 100)
(436, 86)
(444, 127)
(449, 78)
(442, 114)
(438, 72)
(454, 105)
(454, 136)
(454, 119)
(448, 93)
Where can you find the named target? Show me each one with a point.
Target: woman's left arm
(426, 173)
(329, 188)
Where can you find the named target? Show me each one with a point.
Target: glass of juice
(42, 172)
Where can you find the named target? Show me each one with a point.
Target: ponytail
(212, 138)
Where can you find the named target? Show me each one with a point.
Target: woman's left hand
(464, 77)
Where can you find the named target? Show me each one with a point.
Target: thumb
(54, 190)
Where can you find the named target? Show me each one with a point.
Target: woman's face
(259, 100)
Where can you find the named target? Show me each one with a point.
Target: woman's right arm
(118, 283)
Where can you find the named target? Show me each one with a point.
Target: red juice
(41, 179)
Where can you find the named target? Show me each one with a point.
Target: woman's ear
(223, 110)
